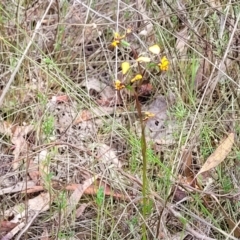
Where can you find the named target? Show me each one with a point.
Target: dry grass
(61, 48)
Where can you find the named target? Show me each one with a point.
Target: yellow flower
(119, 85)
(117, 39)
(125, 67)
(148, 115)
(117, 36)
(164, 64)
(136, 78)
(115, 43)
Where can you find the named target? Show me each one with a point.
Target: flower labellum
(164, 64)
(136, 78)
(119, 85)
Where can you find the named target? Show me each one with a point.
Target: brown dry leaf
(81, 209)
(6, 226)
(13, 232)
(182, 39)
(231, 224)
(187, 164)
(156, 127)
(77, 194)
(200, 76)
(86, 115)
(60, 99)
(39, 203)
(108, 156)
(93, 189)
(179, 194)
(187, 176)
(103, 94)
(33, 171)
(34, 189)
(219, 154)
(108, 191)
(36, 205)
(18, 187)
(18, 139)
(37, 167)
(159, 108)
(188, 173)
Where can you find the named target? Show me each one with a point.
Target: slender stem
(144, 170)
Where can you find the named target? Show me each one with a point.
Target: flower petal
(125, 67)
(155, 49)
(143, 59)
(115, 43)
(136, 78)
(116, 35)
(119, 85)
(164, 64)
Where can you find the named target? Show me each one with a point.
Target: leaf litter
(160, 128)
(219, 155)
(35, 206)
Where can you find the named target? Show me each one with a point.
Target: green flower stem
(144, 170)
